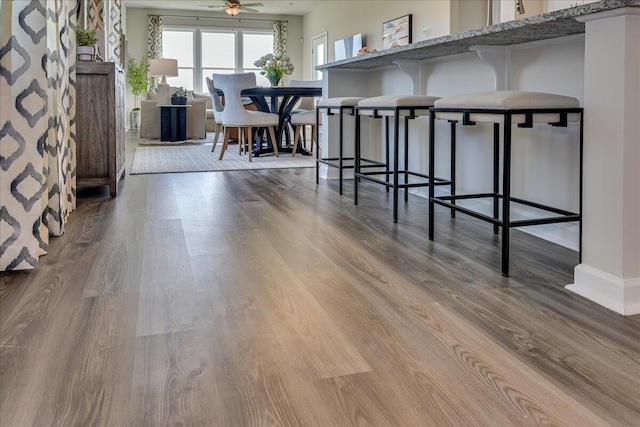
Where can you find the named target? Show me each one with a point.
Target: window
(179, 44)
(202, 52)
(254, 46)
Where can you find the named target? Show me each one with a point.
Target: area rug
(199, 158)
(209, 138)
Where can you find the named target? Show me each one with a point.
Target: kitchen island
(590, 52)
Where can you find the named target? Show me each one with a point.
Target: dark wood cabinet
(100, 124)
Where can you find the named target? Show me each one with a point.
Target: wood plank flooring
(256, 298)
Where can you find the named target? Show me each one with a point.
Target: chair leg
(225, 143)
(304, 136)
(272, 133)
(313, 136)
(296, 139)
(217, 135)
(250, 144)
(240, 140)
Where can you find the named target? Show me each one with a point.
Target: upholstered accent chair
(216, 111)
(304, 115)
(236, 116)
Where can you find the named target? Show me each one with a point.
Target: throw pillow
(174, 89)
(152, 95)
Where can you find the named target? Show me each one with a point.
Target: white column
(610, 269)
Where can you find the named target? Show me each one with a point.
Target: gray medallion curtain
(279, 37)
(154, 41)
(37, 129)
(114, 30)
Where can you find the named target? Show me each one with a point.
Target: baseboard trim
(615, 293)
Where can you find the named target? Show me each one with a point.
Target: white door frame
(325, 38)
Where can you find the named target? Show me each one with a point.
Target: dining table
(280, 101)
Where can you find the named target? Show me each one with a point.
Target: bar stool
(340, 106)
(406, 107)
(506, 108)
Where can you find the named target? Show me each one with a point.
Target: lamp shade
(163, 67)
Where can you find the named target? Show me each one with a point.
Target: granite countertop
(550, 25)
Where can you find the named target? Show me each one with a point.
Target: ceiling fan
(234, 7)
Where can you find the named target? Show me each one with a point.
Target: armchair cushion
(206, 97)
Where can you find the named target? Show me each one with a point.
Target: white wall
(344, 18)
(136, 32)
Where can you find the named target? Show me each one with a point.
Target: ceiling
(276, 7)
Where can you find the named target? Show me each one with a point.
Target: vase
(134, 120)
(274, 80)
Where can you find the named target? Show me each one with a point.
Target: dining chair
(217, 111)
(304, 115)
(235, 115)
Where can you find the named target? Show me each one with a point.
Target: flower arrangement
(275, 67)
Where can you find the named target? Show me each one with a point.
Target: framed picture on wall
(396, 32)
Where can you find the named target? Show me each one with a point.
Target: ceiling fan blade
(252, 4)
(245, 9)
(208, 6)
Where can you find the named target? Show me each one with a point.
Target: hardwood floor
(257, 298)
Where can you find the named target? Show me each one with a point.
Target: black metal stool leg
(506, 194)
(406, 157)
(432, 144)
(453, 166)
(356, 165)
(318, 146)
(386, 140)
(396, 152)
(496, 175)
(340, 152)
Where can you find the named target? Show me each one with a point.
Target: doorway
(318, 54)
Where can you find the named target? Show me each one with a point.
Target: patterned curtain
(95, 15)
(114, 31)
(37, 134)
(279, 37)
(154, 42)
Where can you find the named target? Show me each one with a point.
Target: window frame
(198, 75)
(195, 47)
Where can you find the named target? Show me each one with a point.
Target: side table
(173, 122)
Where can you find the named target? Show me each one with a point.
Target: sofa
(150, 118)
(210, 121)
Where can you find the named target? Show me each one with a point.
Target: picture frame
(397, 32)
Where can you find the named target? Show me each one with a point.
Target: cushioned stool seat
(504, 108)
(339, 106)
(507, 100)
(347, 101)
(400, 108)
(414, 105)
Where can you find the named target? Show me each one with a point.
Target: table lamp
(163, 67)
